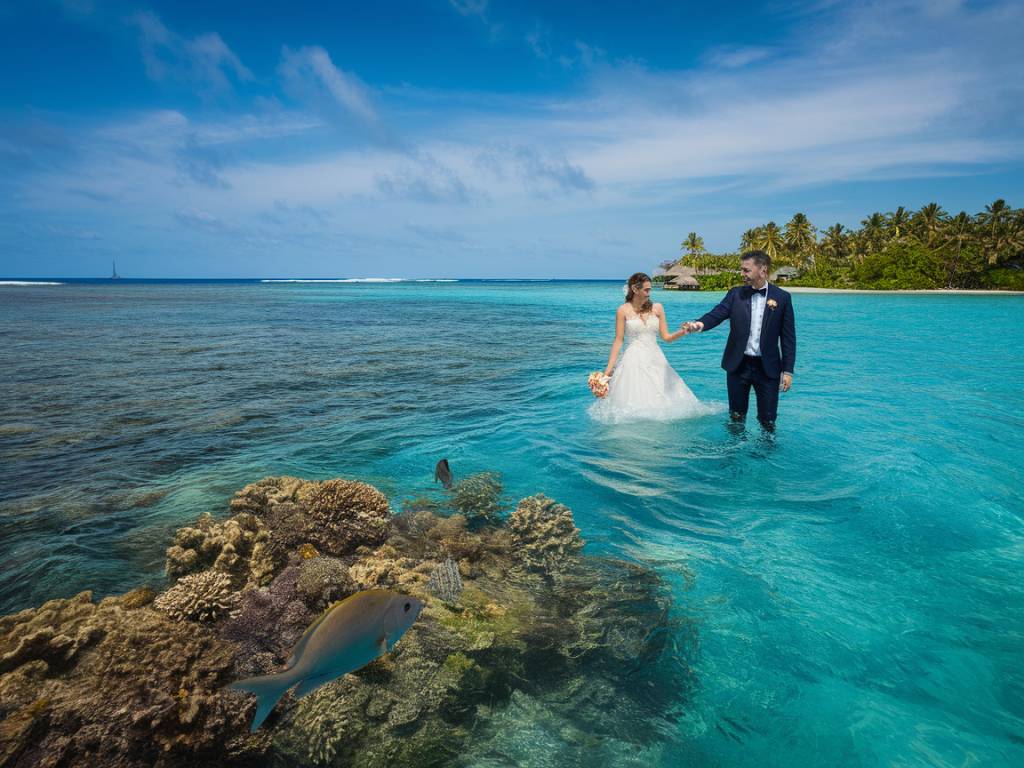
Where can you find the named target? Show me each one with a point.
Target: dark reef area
(517, 620)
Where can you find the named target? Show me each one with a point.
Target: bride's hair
(636, 282)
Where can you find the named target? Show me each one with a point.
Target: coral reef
(268, 624)
(445, 581)
(237, 547)
(543, 533)
(479, 498)
(116, 684)
(323, 580)
(345, 514)
(516, 620)
(205, 596)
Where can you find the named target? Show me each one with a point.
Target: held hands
(692, 326)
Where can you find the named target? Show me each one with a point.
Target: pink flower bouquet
(598, 383)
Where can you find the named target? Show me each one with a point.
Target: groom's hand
(787, 381)
(693, 326)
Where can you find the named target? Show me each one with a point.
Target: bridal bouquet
(598, 383)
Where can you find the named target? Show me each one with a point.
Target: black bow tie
(762, 291)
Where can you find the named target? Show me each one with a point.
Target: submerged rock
(513, 614)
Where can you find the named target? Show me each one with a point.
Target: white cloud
(310, 70)
(735, 57)
(476, 9)
(205, 60)
(470, 7)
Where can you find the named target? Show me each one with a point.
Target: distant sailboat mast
(114, 276)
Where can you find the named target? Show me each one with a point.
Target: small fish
(347, 636)
(443, 473)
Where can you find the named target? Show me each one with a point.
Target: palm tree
(835, 243)
(928, 221)
(873, 232)
(899, 222)
(994, 220)
(800, 239)
(750, 239)
(957, 233)
(860, 246)
(693, 245)
(1015, 235)
(770, 240)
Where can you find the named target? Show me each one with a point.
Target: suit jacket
(778, 330)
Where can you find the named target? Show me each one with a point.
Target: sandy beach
(801, 289)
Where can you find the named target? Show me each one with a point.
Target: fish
(443, 473)
(347, 636)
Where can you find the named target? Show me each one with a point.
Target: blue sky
(482, 138)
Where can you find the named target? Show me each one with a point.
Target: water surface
(855, 579)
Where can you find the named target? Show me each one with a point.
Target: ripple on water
(851, 581)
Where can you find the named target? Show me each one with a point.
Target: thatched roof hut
(681, 278)
(782, 274)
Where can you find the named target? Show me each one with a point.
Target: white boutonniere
(772, 303)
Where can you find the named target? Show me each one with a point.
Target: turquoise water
(855, 580)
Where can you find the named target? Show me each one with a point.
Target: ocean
(854, 579)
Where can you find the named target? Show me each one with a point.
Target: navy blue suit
(778, 348)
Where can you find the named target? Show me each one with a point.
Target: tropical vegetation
(902, 249)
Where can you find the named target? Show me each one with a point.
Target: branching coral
(237, 546)
(205, 596)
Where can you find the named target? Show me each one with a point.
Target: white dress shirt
(757, 305)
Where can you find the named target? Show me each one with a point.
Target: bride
(643, 385)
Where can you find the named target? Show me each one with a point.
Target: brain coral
(344, 514)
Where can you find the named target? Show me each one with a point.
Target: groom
(761, 321)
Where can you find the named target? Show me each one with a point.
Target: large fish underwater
(348, 635)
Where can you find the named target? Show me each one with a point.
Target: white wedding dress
(643, 384)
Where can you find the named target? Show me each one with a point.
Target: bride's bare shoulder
(658, 309)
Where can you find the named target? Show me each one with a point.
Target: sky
(484, 138)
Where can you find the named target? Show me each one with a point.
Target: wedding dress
(643, 384)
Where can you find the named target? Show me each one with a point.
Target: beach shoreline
(936, 291)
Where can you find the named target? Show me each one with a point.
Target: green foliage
(722, 281)
(900, 265)
(1004, 279)
(826, 276)
(926, 249)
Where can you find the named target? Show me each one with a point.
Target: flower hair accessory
(625, 290)
(598, 383)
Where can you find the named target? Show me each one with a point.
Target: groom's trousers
(766, 389)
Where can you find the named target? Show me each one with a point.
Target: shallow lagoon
(854, 581)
